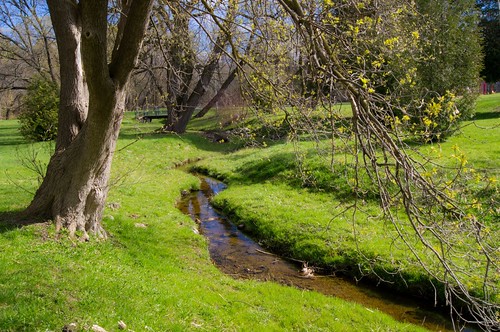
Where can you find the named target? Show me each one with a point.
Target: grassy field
(316, 225)
(154, 273)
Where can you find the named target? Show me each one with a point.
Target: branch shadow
(11, 137)
(9, 221)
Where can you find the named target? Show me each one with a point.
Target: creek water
(239, 256)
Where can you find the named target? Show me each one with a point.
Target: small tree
(39, 114)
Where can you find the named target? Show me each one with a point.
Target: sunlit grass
(319, 225)
(154, 273)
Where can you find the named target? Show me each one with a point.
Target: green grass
(477, 139)
(17, 182)
(158, 278)
(315, 225)
(232, 117)
(311, 225)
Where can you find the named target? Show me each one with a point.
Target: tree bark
(218, 95)
(75, 188)
(181, 116)
(73, 100)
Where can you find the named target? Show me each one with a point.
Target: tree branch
(127, 48)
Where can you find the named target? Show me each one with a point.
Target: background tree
(27, 49)
(439, 65)
(450, 62)
(184, 64)
(430, 56)
(490, 25)
(92, 100)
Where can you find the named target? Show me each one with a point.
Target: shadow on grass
(488, 115)
(283, 168)
(196, 139)
(258, 171)
(12, 142)
(13, 220)
(10, 220)
(9, 135)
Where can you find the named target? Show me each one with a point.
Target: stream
(241, 257)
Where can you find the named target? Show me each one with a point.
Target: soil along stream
(238, 255)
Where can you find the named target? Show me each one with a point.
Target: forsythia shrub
(437, 121)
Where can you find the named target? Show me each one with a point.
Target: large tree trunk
(75, 188)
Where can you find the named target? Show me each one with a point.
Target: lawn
(154, 272)
(318, 224)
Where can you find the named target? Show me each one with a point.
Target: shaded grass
(233, 117)
(154, 278)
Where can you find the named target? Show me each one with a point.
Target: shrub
(448, 67)
(38, 116)
(437, 121)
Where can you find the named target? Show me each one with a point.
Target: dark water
(238, 255)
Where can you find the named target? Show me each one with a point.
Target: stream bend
(239, 256)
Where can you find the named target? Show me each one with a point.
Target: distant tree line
(188, 63)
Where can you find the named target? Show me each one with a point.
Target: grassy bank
(318, 224)
(154, 273)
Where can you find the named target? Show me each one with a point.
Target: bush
(38, 116)
(449, 66)
(437, 121)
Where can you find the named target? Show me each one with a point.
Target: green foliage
(39, 115)
(430, 66)
(451, 49)
(438, 79)
(408, 57)
(261, 94)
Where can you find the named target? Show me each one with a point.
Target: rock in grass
(97, 328)
(122, 325)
